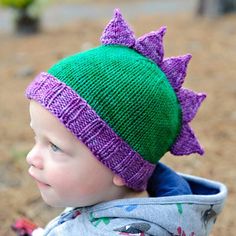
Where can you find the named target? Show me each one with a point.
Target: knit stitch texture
(124, 101)
(129, 92)
(80, 119)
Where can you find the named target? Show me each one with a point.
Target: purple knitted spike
(151, 45)
(186, 143)
(190, 102)
(175, 69)
(118, 32)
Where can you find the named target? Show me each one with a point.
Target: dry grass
(212, 44)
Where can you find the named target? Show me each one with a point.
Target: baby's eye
(55, 148)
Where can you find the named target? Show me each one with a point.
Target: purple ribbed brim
(80, 119)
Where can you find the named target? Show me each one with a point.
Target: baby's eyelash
(55, 148)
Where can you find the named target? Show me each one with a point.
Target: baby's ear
(118, 181)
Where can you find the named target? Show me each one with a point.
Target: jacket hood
(184, 214)
(189, 215)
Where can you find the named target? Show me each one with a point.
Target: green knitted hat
(123, 101)
(129, 92)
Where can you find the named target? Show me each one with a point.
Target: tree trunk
(25, 24)
(215, 7)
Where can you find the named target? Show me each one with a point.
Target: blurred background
(34, 34)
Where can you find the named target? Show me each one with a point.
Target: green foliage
(18, 4)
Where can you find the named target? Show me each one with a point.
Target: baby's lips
(36, 179)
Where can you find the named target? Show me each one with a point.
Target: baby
(102, 120)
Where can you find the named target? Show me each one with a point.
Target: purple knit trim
(151, 46)
(175, 70)
(186, 142)
(80, 119)
(118, 32)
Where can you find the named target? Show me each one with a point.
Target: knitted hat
(123, 101)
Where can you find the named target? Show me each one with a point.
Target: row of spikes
(150, 45)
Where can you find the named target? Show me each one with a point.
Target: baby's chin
(64, 204)
(54, 199)
(55, 204)
(52, 202)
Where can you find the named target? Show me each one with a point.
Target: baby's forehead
(43, 120)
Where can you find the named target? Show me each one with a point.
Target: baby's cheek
(58, 179)
(66, 182)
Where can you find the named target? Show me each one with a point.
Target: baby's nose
(34, 158)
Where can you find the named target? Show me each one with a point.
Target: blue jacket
(179, 205)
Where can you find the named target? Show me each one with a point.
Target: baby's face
(65, 170)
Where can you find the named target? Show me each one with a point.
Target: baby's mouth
(39, 183)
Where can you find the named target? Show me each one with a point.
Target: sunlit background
(35, 34)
